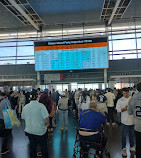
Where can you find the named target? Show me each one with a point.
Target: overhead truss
(23, 11)
(114, 9)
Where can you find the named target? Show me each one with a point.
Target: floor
(61, 144)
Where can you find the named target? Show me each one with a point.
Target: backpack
(45, 100)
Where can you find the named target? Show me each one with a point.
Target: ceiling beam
(14, 4)
(114, 11)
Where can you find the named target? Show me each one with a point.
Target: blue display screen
(71, 56)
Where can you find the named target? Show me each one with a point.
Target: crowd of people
(93, 108)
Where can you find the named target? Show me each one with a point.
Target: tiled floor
(61, 144)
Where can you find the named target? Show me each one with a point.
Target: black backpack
(44, 101)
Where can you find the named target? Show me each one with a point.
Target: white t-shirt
(84, 105)
(110, 99)
(126, 119)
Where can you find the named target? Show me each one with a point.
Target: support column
(99, 85)
(105, 77)
(69, 87)
(38, 79)
(111, 84)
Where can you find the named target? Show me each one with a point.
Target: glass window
(65, 86)
(73, 86)
(110, 45)
(127, 56)
(25, 51)
(7, 44)
(110, 57)
(139, 43)
(8, 51)
(123, 36)
(109, 37)
(26, 61)
(95, 86)
(124, 52)
(59, 88)
(138, 34)
(103, 85)
(81, 86)
(139, 55)
(124, 44)
(9, 62)
(26, 43)
(88, 86)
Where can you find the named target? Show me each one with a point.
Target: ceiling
(57, 13)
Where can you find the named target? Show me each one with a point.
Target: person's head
(109, 90)
(34, 95)
(3, 94)
(85, 89)
(93, 104)
(21, 92)
(79, 89)
(53, 90)
(46, 91)
(92, 92)
(15, 93)
(38, 90)
(63, 94)
(125, 92)
(84, 94)
(80, 93)
(97, 93)
(139, 87)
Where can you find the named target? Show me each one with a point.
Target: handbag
(10, 117)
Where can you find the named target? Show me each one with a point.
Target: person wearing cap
(36, 119)
(63, 111)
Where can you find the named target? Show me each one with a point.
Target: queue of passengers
(39, 110)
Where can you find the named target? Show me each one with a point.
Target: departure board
(71, 54)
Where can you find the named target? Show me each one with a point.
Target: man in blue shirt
(36, 122)
(91, 121)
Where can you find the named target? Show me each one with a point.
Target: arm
(118, 107)
(130, 107)
(79, 107)
(88, 100)
(47, 121)
(79, 111)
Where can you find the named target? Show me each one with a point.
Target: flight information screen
(71, 54)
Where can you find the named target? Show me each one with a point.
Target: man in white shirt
(110, 105)
(84, 102)
(36, 119)
(126, 120)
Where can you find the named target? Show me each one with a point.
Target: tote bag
(6, 116)
(10, 117)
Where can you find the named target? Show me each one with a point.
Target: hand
(125, 109)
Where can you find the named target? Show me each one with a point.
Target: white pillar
(111, 84)
(105, 77)
(69, 87)
(99, 85)
(38, 79)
